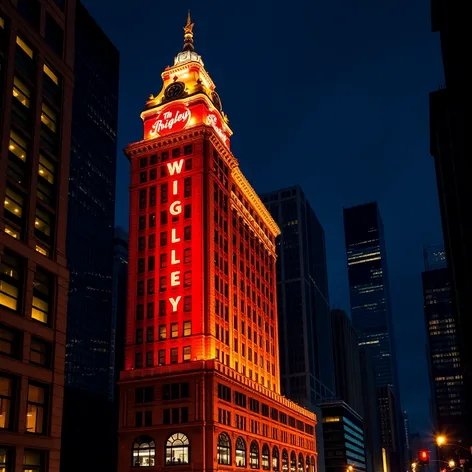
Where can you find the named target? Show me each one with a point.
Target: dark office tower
(372, 439)
(306, 360)
(343, 438)
(90, 225)
(120, 286)
(346, 361)
(451, 151)
(445, 364)
(372, 316)
(36, 82)
(88, 411)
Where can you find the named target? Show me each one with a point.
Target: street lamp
(440, 440)
(350, 468)
(451, 464)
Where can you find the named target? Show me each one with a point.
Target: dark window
(161, 357)
(151, 263)
(138, 360)
(187, 233)
(141, 265)
(142, 199)
(152, 241)
(143, 162)
(162, 307)
(148, 418)
(54, 35)
(154, 159)
(140, 312)
(143, 177)
(40, 352)
(150, 334)
(149, 358)
(150, 310)
(139, 336)
(141, 243)
(163, 261)
(150, 286)
(164, 193)
(144, 394)
(142, 223)
(152, 196)
(163, 217)
(174, 356)
(152, 220)
(188, 164)
(187, 255)
(187, 211)
(188, 303)
(188, 187)
(163, 238)
(224, 392)
(10, 342)
(188, 150)
(176, 152)
(153, 174)
(164, 156)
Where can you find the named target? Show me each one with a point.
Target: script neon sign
(170, 120)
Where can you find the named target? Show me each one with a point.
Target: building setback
(201, 383)
(36, 81)
(450, 147)
(372, 316)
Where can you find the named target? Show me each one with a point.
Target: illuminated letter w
(175, 167)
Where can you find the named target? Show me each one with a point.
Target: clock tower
(201, 388)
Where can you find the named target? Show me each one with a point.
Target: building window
(51, 83)
(187, 212)
(150, 334)
(54, 35)
(152, 196)
(46, 179)
(163, 238)
(188, 279)
(150, 359)
(33, 461)
(275, 459)
(284, 460)
(187, 353)
(140, 312)
(17, 155)
(187, 303)
(265, 457)
(152, 241)
(10, 342)
(150, 286)
(177, 449)
(163, 261)
(10, 281)
(187, 233)
(40, 352)
(5, 454)
(240, 452)
(223, 449)
(174, 330)
(293, 462)
(139, 336)
(188, 149)
(164, 193)
(176, 152)
(144, 394)
(35, 415)
(188, 187)
(161, 357)
(162, 307)
(187, 255)
(49, 117)
(187, 331)
(42, 225)
(300, 462)
(174, 355)
(162, 283)
(13, 204)
(162, 332)
(144, 452)
(6, 402)
(138, 360)
(254, 455)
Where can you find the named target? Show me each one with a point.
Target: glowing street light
(350, 468)
(451, 464)
(440, 440)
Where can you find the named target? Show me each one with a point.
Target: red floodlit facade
(201, 385)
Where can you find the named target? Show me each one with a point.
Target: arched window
(275, 459)
(177, 447)
(293, 462)
(223, 449)
(144, 452)
(240, 452)
(300, 462)
(312, 464)
(307, 467)
(254, 455)
(284, 460)
(265, 457)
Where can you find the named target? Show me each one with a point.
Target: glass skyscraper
(372, 316)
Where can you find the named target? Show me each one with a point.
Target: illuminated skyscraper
(372, 316)
(200, 387)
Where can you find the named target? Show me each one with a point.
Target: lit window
(42, 250)
(26, 49)
(13, 205)
(41, 296)
(6, 397)
(33, 461)
(265, 457)
(162, 332)
(144, 452)
(275, 459)
(49, 117)
(21, 92)
(187, 353)
(35, 410)
(10, 281)
(223, 449)
(187, 328)
(177, 449)
(174, 330)
(18, 145)
(254, 455)
(48, 71)
(46, 169)
(42, 224)
(240, 452)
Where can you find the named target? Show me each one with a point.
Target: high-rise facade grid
(200, 386)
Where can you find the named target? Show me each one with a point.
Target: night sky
(330, 95)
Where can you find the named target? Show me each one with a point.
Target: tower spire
(188, 34)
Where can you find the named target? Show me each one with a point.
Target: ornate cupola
(187, 98)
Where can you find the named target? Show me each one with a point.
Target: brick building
(201, 385)
(36, 82)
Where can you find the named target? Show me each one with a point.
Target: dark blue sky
(330, 95)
